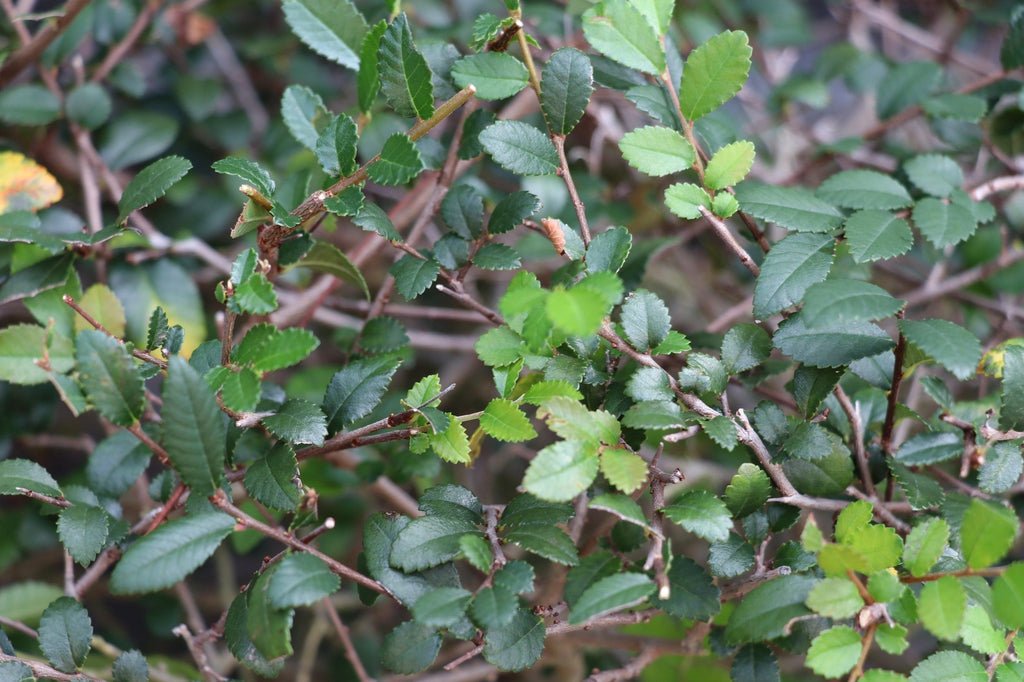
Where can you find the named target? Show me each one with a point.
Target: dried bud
(553, 231)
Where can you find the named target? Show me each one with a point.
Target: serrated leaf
(942, 223)
(930, 448)
(941, 607)
(429, 541)
(83, 531)
(692, 592)
(109, 377)
(549, 542)
(657, 151)
(686, 200)
(621, 506)
(452, 444)
(170, 553)
(794, 208)
(625, 470)
(269, 628)
(477, 552)
(748, 490)
(986, 533)
(332, 29)
(495, 256)
(763, 614)
(924, 545)
(645, 320)
(834, 652)
(832, 345)
(978, 633)
(511, 211)
(368, 78)
(575, 311)
(336, 147)
(744, 347)
(520, 148)
(949, 666)
(754, 663)
(241, 645)
(130, 666)
(298, 421)
(714, 73)
(847, 300)
(515, 646)
(1011, 413)
(194, 433)
(65, 633)
(103, 305)
(326, 257)
(493, 607)
(864, 189)
(304, 114)
(956, 107)
(24, 473)
(283, 348)
(561, 471)
(949, 344)
(272, 480)
(877, 235)
(247, 170)
(301, 580)
(255, 295)
(405, 77)
(611, 594)
(1002, 468)
(790, 269)
(835, 598)
(701, 513)
(503, 420)
(399, 162)
(414, 275)
(616, 29)
(442, 607)
(729, 165)
(1008, 596)
(565, 89)
(496, 75)
(935, 174)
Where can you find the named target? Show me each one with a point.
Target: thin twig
(346, 641)
(31, 51)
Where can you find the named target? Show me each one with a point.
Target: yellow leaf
(104, 307)
(25, 185)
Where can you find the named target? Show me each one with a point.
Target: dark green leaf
(399, 162)
(942, 223)
(645, 320)
(949, 666)
(744, 347)
(794, 208)
(109, 377)
(301, 580)
(493, 607)
(511, 211)
(248, 171)
(515, 646)
(693, 594)
(414, 275)
(496, 75)
(332, 29)
(130, 666)
(83, 531)
(44, 275)
(952, 346)
(1011, 414)
(24, 473)
(298, 421)
(549, 542)
(442, 607)
(847, 300)
(65, 633)
(520, 148)
(790, 269)
(877, 235)
(194, 432)
(611, 594)
(304, 114)
(748, 490)
(930, 448)
(906, 85)
(88, 105)
(269, 628)
(241, 645)
(28, 105)
(565, 89)
(763, 614)
(150, 184)
(356, 390)
(1002, 468)
(754, 663)
(832, 345)
(326, 257)
(864, 189)
(272, 480)
(404, 74)
(429, 541)
(702, 514)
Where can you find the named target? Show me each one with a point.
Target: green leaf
(949, 666)
(987, 533)
(477, 552)
(109, 377)
(941, 607)
(924, 545)
(748, 490)
(575, 311)
(686, 199)
(1011, 413)
(625, 508)
(248, 171)
(847, 300)
(794, 208)
(950, 345)
(272, 480)
(956, 107)
(834, 652)
(301, 580)
(493, 607)
(729, 165)
(496, 75)
(194, 432)
(978, 633)
(88, 105)
(495, 256)
(905, 85)
(930, 448)
(515, 646)
(24, 473)
(21, 345)
(835, 598)
(429, 541)
(565, 89)
(607, 252)
(298, 421)
(731, 558)
(625, 470)
(405, 77)
(714, 73)
(754, 663)
(722, 430)
(692, 592)
(171, 552)
(879, 547)
(611, 594)
(892, 639)
(864, 189)
(520, 148)
(503, 420)
(268, 627)
(745, 346)
(326, 257)
(399, 161)
(561, 471)
(414, 275)
(282, 348)
(701, 513)
(150, 184)
(452, 444)
(336, 148)
(368, 79)
(241, 645)
(657, 151)
(789, 270)
(830, 346)
(83, 531)
(645, 320)
(764, 613)
(511, 211)
(935, 174)
(44, 275)
(616, 29)
(130, 666)
(549, 542)
(442, 607)
(1008, 596)
(942, 223)
(65, 633)
(304, 114)
(28, 105)
(1002, 468)
(357, 389)
(877, 235)
(255, 295)
(334, 30)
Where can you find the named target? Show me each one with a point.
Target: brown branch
(31, 51)
(140, 354)
(118, 52)
(853, 415)
(893, 397)
(570, 186)
(722, 230)
(992, 572)
(45, 672)
(55, 501)
(198, 655)
(346, 641)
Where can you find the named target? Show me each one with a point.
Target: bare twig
(346, 641)
(32, 50)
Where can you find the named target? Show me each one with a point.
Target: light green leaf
(949, 666)
(561, 471)
(150, 184)
(686, 200)
(835, 598)
(520, 148)
(617, 30)
(171, 552)
(625, 508)
(625, 470)
(452, 444)
(575, 311)
(941, 607)
(924, 545)
(834, 652)
(729, 165)
(714, 72)
(503, 420)
(331, 28)
(1008, 596)
(21, 345)
(979, 634)
(657, 151)
(1002, 468)
(477, 552)
(496, 75)
(987, 533)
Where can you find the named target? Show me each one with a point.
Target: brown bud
(553, 231)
